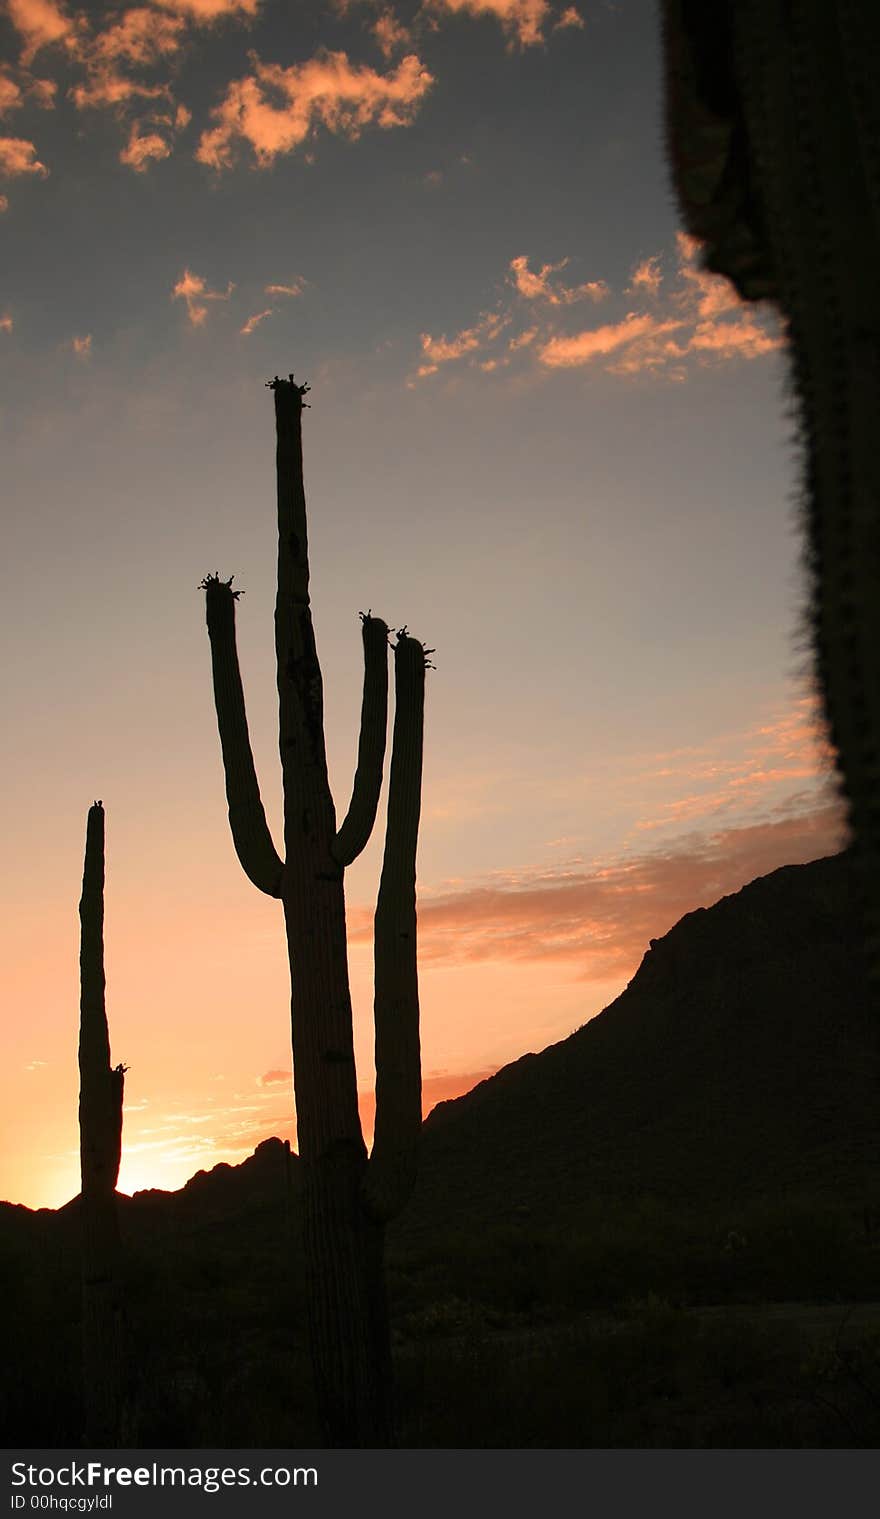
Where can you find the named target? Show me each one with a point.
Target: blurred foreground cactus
(347, 1198)
(100, 1128)
(773, 124)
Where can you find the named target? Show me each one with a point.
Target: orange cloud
(144, 148)
(194, 290)
(522, 20)
(326, 91)
(254, 321)
(11, 97)
(602, 918)
(699, 318)
(6, 322)
(538, 287)
(142, 36)
(203, 12)
(82, 347)
(646, 277)
(443, 350)
(40, 23)
(570, 17)
(390, 34)
(276, 1078)
(105, 87)
(17, 156)
(583, 347)
(744, 338)
(710, 294)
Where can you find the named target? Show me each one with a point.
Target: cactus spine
(100, 1126)
(347, 1198)
(774, 140)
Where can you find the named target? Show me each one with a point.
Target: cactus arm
(361, 815)
(391, 1172)
(247, 819)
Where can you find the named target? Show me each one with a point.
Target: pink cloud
(254, 321)
(18, 156)
(522, 20)
(193, 289)
(326, 91)
(602, 918)
(276, 1078)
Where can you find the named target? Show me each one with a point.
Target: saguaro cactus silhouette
(773, 120)
(347, 1199)
(100, 1127)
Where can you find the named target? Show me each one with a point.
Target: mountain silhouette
(711, 1138)
(742, 1060)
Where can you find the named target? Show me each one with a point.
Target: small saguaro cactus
(100, 1128)
(347, 1197)
(773, 129)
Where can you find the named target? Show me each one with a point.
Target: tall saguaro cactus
(347, 1198)
(773, 119)
(100, 1126)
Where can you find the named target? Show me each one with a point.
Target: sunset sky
(539, 437)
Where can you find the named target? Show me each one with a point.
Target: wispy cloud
(82, 347)
(646, 278)
(327, 91)
(193, 289)
(443, 350)
(296, 287)
(254, 321)
(539, 287)
(667, 327)
(602, 917)
(597, 342)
